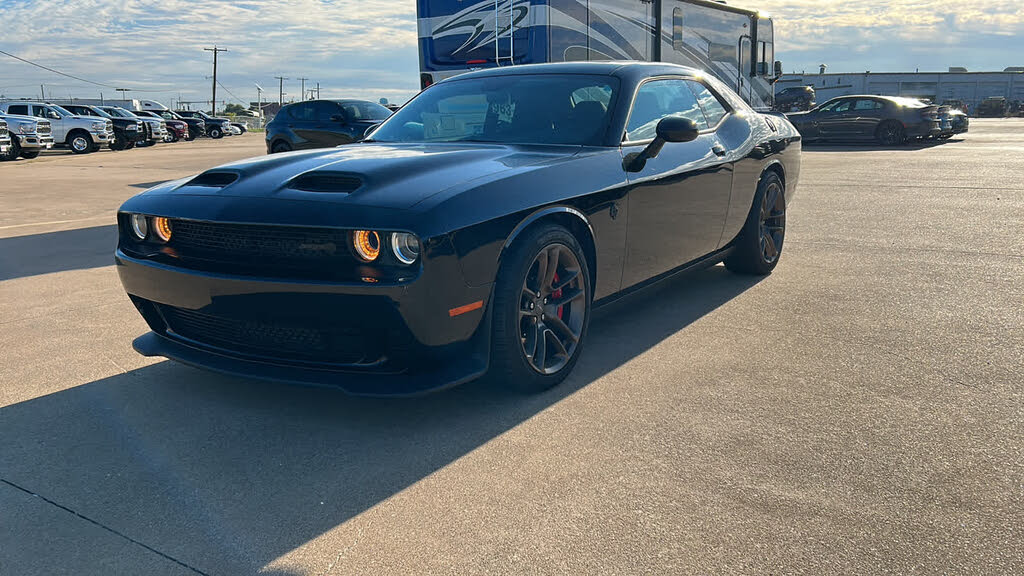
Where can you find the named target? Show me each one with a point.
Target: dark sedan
(473, 232)
(322, 124)
(127, 131)
(887, 120)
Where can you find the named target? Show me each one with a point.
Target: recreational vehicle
(735, 45)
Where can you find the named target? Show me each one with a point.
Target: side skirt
(698, 264)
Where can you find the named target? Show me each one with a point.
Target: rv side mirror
(670, 129)
(778, 68)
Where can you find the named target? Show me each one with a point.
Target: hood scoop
(330, 182)
(213, 179)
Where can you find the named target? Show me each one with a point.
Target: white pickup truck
(82, 134)
(29, 136)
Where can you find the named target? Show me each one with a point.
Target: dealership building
(957, 84)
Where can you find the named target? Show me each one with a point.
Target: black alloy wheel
(552, 308)
(216, 132)
(541, 310)
(758, 246)
(80, 143)
(891, 134)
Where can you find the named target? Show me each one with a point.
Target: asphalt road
(859, 411)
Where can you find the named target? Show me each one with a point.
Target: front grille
(229, 242)
(272, 339)
(42, 129)
(3, 131)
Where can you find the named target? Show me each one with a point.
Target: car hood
(798, 116)
(384, 175)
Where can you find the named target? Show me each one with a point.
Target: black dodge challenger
(471, 232)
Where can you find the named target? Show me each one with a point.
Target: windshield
(356, 110)
(121, 112)
(61, 111)
(528, 109)
(94, 111)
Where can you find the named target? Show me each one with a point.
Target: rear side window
(324, 111)
(21, 109)
(709, 103)
(660, 98)
(302, 112)
(867, 105)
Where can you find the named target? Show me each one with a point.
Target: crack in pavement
(105, 527)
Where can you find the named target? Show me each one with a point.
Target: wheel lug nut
(531, 305)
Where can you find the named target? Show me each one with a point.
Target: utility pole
(42, 92)
(303, 80)
(124, 92)
(280, 88)
(317, 90)
(215, 50)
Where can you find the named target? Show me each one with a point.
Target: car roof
(621, 68)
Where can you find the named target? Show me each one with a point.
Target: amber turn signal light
(366, 243)
(162, 228)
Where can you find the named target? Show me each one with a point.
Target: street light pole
(215, 50)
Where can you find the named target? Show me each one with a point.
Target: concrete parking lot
(859, 411)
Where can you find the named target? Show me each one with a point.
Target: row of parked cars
(888, 120)
(28, 128)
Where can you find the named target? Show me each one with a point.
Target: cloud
(367, 48)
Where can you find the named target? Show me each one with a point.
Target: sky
(367, 48)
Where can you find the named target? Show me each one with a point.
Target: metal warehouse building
(957, 84)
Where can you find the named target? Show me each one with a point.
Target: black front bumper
(367, 339)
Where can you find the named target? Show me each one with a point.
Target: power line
(230, 92)
(65, 74)
(56, 71)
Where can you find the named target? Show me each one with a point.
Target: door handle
(718, 149)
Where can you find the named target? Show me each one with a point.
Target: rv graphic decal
(480, 21)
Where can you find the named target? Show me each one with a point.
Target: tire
(758, 246)
(524, 313)
(13, 151)
(280, 146)
(170, 137)
(30, 154)
(890, 133)
(95, 147)
(216, 133)
(129, 145)
(79, 142)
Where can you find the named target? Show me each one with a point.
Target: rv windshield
(519, 109)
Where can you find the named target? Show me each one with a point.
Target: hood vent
(331, 182)
(213, 179)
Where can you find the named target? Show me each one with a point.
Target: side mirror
(670, 129)
(337, 118)
(53, 115)
(778, 69)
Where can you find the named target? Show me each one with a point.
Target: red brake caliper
(557, 294)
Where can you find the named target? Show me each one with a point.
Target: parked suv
(795, 98)
(152, 128)
(994, 107)
(127, 131)
(196, 126)
(175, 129)
(29, 136)
(82, 134)
(215, 127)
(322, 124)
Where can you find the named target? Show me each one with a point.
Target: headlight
(405, 246)
(26, 128)
(98, 125)
(140, 226)
(366, 243)
(162, 228)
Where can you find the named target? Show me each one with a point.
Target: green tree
(234, 109)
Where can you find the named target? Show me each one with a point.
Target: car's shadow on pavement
(49, 252)
(226, 475)
(838, 146)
